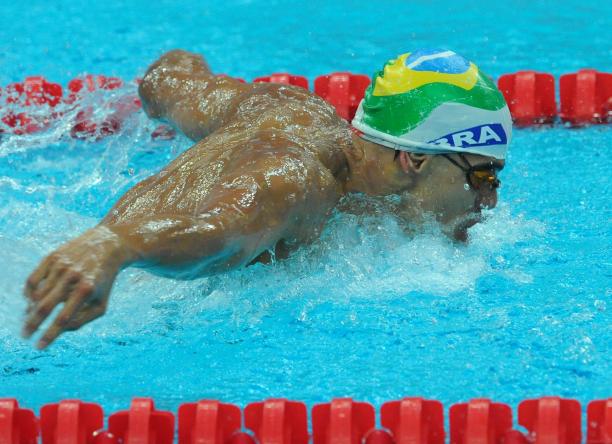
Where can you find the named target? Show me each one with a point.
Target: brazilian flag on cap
(433, 101)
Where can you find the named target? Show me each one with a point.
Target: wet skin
(269, 165)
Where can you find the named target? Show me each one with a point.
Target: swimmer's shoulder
(294, 117)
(293, 104)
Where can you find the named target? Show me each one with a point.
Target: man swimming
(270, 163)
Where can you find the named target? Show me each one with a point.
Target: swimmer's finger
(54, 274)
(30, 308)
(38, 275)
(85, 316)
(62, 321)
(44, 307)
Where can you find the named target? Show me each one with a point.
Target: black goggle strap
(457, 164)
(468, 165)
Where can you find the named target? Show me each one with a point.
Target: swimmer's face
(441, 188)
(428, 184)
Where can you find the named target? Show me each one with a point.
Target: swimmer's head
(437, 120)
(435, 101)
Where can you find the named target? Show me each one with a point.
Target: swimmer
(270, 163)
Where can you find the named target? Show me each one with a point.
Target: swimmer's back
(181, 88)
(269, 158)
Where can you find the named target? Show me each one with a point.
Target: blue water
(523, 310)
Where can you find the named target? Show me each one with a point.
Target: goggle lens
(479, 178)
(476, 175)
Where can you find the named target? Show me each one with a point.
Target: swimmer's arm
(235, 226)
(185, 246)
(80, 274)
(180, 88)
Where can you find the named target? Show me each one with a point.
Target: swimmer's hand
(79, 275)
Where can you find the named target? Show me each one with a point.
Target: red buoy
(479, 421)
(207, 422)
(586, 97)
(343, 90)
(530, 96)
(379, 437)
(142, 424)
(70, 422)
(17, 425)
(86, 125)
(342, 421)
(284, 78)
(241, 438)
(33, 92)
(414, 420)
(599, 422)
(278, 421)
(91, 83)
(163, 132)
(551, 420)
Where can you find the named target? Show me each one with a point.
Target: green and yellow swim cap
(435, 101)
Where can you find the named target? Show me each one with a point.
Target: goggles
(477, 175)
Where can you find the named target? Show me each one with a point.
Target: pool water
(523, 310)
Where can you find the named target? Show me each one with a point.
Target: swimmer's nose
(487, 198)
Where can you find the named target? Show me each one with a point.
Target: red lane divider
(35, 93)
(17, 425)
(91, 83)
(104, 437)
(379, 437)
(208, 422)
(599, 422)
(70, 422)
(284, 78)
(343, 90)
(479, 421)
(586, 97)
(278, 421)
(414, 421)
(548, 420)
(551, 420)
(163, 132)
(142, 424)
(86, 125)
(32, 92)
(242, 438)
(342, 421)
(530, 96)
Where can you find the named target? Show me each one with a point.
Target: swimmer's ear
(413, 162)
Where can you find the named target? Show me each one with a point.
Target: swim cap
(435, 101)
